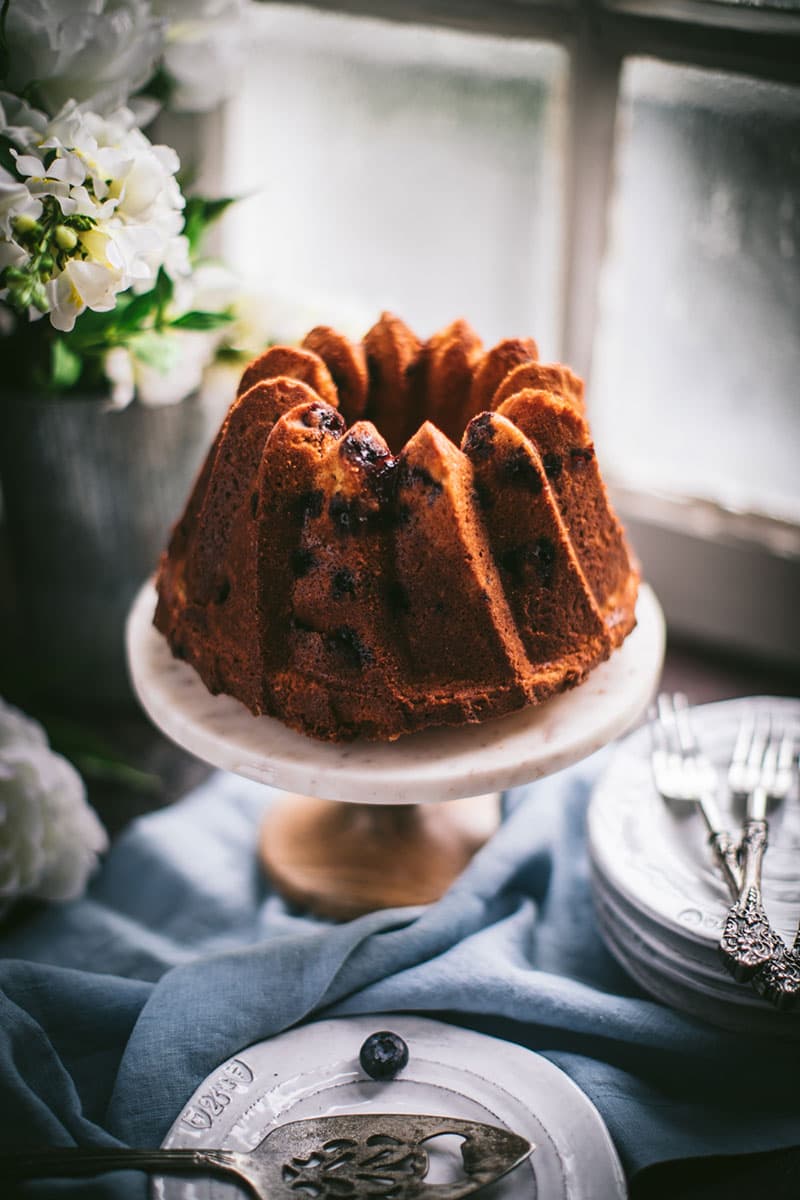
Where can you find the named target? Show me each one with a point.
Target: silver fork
(683, 775)
(779, 980)
(748, 942)
(748, 751)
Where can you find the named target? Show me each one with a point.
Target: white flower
(105, 171)
(252, 327)
(118, 370)
(159, 369)
(81, 285)
(207, 42)
(211, 287)
(165, 368)
(98, 55)
(49, 836)
(15, 201)
(20, 123)
(193, 352)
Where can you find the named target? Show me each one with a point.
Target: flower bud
(25, 225)
(66, 238)
(46, 262)
(39, 298)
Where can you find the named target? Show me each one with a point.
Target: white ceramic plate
(314, 1071)
(673, 954)
(656, 858)
(436, 764)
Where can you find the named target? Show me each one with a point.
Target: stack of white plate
(660, 902)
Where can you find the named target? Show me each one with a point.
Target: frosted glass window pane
(402, 167)
(697, 361)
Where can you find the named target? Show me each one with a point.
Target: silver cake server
(347, 1157)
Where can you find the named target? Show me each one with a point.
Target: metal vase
(90, 495)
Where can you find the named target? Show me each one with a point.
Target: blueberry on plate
(383, 1055)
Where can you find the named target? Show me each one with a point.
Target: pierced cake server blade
(360, 1156)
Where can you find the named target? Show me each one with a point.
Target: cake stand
(388, 844)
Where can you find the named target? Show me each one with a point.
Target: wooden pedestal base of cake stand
(341, 860)
(389, 844)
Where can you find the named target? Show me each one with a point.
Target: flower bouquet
(102, 287)
(105, 299)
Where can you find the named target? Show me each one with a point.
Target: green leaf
(114, 770)
(229, 354)
(201, 320)
(160, 86)
(7, 159)
(94, 331)
(133, 315)
(96, 759)
(65, 366)
(163, 291)
(155, 350)
(79, 221)
(199, 213)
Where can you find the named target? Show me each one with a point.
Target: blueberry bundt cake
(397, 534)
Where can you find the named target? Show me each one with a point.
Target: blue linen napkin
(115, 1007)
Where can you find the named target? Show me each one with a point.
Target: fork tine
(667, 723)
(769, 762)
(658, 738)
(758, 743)
(683, 724)
(744, 738)
(786, 753)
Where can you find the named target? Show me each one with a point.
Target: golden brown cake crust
(347, 363)
(493, 368)
(450, 358)
(294, 363)
(563, 439)
(547, 377)
(553, 608)
(394, 361)
(431, 565)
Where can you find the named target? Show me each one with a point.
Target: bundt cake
(397, 534)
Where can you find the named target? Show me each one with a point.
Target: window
(621, 180)
(393, 166)
(700, 294)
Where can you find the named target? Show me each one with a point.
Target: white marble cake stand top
(436, 764)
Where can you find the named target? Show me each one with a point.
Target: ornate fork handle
(748, 941)
(725, 851)
(779, 980)
(46, 1164)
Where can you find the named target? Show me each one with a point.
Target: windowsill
(729, 583)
